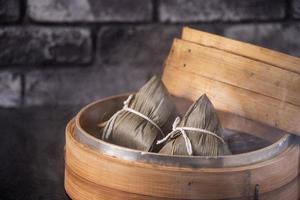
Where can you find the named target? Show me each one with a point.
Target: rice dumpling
(144, 119)
(198, 133)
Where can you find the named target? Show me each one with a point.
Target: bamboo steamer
(99, 166)
(95, 169)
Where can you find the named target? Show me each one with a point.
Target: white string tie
(183, 130)
(108, 129)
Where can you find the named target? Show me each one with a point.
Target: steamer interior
(245, 138)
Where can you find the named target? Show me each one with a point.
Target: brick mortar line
(23, 89)
(94, 41)
(93, 25)
(23, 11)
(42, 66)
(87, 23)
(155, 10)
(241, 22)
(288, 8)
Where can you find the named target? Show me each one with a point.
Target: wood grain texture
(80, 189)
(175, 182)
(228, 98)
(253, 52)
(239, 78)
(236, 70)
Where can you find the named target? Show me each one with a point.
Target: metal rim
(180, 161)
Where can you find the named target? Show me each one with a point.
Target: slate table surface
(32, 152)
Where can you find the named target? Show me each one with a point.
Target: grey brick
(9, 10)
(10, 89)
(145, 46)
(126, 58)
(280, 37)
(295, 12)
(41, 45)
(80, 86)
(90, 10)
(220, 10)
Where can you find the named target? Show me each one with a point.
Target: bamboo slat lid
(239, 78)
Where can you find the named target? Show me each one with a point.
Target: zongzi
(144, 119)
(198, 133)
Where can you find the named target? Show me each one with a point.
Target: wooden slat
(79, 189)
(275, 58)
(236, 70)
(180, 82)
(174, 182)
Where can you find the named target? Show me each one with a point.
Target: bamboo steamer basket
(95, 169)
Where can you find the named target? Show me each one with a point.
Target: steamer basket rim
(182, 161)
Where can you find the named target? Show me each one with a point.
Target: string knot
(127, 101)
(182, 130)
(108, 129)
(175, 123)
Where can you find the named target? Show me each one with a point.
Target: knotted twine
(108, 129)
(188, 144)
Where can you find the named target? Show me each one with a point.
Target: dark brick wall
(221, 10)
(9, 10)
(70, 52)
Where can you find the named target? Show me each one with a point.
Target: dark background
(57, 55)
